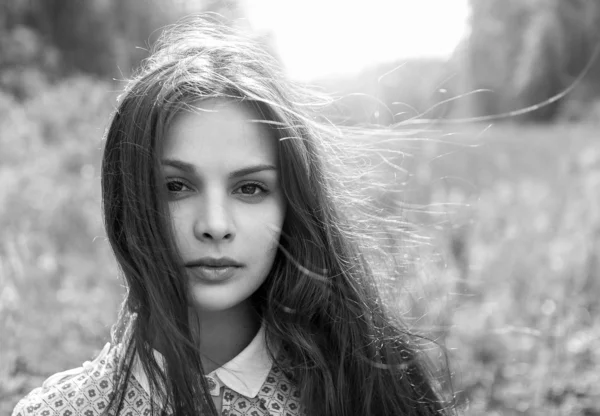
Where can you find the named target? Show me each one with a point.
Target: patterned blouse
(252, 385)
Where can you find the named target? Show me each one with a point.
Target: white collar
(245, 373)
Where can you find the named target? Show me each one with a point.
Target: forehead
(219, 132)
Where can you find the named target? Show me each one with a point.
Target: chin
(211, 302)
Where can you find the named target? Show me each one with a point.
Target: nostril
(210, 236)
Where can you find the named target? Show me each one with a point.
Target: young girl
(248, 293)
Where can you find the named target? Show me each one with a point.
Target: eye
(251, 189)
(176, 186)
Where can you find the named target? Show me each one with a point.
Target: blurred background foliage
(509, 280)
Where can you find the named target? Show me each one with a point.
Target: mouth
(213, 270)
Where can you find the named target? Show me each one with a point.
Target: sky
(317, 38)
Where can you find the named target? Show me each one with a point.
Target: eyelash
(262, 188)
(172, 181)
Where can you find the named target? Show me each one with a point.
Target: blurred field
(513, 281)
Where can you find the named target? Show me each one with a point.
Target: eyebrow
(189, 168)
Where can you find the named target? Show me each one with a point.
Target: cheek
(263, 227)
(181, 225)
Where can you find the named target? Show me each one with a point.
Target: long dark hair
(320, 302)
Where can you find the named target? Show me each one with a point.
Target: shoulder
(82, 391)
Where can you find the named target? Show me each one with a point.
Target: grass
(509, 277)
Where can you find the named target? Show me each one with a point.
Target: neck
(224, 334)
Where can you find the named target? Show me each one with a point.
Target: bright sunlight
(316, 38)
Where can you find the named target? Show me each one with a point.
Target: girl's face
(227, 208)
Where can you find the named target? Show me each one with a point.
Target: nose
(214, 221)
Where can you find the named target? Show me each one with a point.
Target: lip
(213, 270)
(213, 274)
(213, 262)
